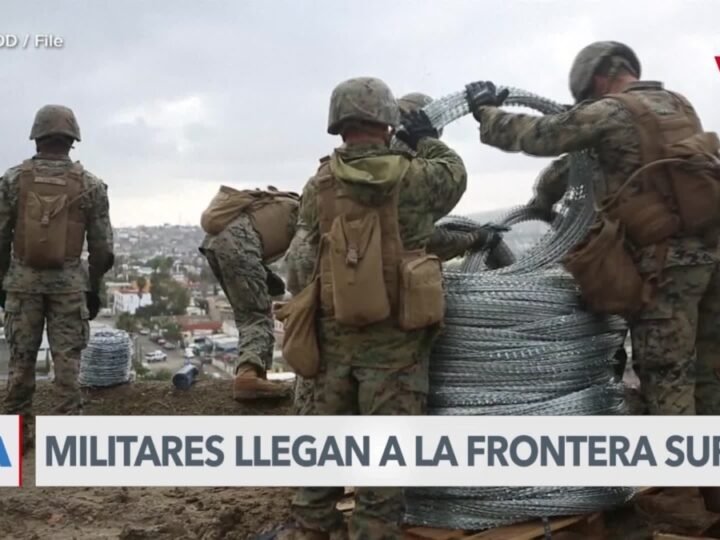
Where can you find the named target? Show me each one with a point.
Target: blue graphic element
(4, 458)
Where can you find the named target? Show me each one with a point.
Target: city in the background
(162, 291)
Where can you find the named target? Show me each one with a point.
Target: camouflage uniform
(56, 296)
(235, 257)
(675, 380)
(379, 370)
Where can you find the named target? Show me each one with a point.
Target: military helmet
(55, 120)
(365, 99)
(413, 101)
(588, 61)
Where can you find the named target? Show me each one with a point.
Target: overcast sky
(175, 97)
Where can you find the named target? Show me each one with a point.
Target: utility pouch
(605, 272)
(46, 226)
(422, 298)
(646, 218)
(360, 295)
(695, 181)
(300, 347)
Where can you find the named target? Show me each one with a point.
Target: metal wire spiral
(516, 342)
(107, 359)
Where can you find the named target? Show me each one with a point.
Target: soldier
(238, 256)
(630, 124)
(301, 255)
(381, 367)
(49, 206)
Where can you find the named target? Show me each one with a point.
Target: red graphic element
(717, 60)
(20, 445)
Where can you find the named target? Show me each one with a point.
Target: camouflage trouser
(303, 396)
(342, 389)
(235, 257)
(676, 344)
(68, 333)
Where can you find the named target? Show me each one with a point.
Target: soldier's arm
(450, 244)
(99, 236)
(300, 259)
(551, 135)
(7, 224)
(552, 183)
(442, 172)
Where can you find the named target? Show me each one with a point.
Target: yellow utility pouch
(273, 214)
(695, 180)
(50, 226)
(356, 263)
(227, 204)
(46, 222)
(605, 272)
(422, 298)
(300, 343)
(646, 217)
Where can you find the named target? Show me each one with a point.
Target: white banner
(10, 451)
(377, 451)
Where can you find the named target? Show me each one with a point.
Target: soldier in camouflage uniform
(235, 256)
(380, 369)
(676, 344)
(301, 254)
(65, 296)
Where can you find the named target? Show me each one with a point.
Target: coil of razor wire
(107, 359)
(516, 342)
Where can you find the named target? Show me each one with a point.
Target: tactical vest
(272, 213)
(50, 226)
(676, 191)
(366, 275)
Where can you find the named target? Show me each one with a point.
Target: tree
(126, 322)
(141, 284)
(172, 332)
(168, 297)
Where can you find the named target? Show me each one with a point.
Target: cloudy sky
(177, 97)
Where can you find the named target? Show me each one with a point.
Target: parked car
(155, 356)
(169, 346)
(161, 341)
(144, 332)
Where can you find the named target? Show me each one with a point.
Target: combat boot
(249, 385)
(711, 496)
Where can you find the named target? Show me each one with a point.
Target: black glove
(490, 236)
(543, 207)
(276, 286)
(92, 300)
(415, 126)
(484, 94)
(3, 296)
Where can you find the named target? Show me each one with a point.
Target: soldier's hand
(490, 236)
(92, 300)
(415, 126)
(484, 94)
(543, 207)
(276, 286)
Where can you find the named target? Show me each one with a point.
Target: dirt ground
(33, 513)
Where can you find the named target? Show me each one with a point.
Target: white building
(128, 301)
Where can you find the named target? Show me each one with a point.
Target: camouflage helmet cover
(55, 120)
(363, 98)
(589, 59)
(412, 101)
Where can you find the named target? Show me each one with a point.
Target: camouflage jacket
(606, 128)
(434, 183)
(75, 276)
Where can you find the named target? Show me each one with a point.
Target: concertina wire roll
(516, 342)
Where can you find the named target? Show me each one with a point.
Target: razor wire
(106, 361)
(517, 342)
